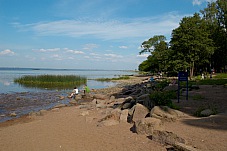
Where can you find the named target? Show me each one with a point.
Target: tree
(157, 60)
(191, 44)
(215, 16)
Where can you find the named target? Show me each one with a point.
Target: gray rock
(74, 102)
(124, 116)
(165, 137)
(13, 114)
(126, 106)
(101, 105)
(78, 97)
(59, 105)
(184, 147)
(140, 112)
(148, 125)
(165, 113)
(145, 100)
(206, 112)
(131, 111)
(100, 96)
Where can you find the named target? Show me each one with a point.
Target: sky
(85, 34)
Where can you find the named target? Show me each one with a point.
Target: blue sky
(85, 34)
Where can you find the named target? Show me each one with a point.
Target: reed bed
(51, 81)
(113, 79)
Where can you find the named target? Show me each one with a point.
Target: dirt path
(66, 129)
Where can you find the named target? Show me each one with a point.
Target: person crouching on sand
(74, 93)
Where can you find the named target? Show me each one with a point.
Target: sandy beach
(76, 128)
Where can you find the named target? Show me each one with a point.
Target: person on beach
(86, 89)
(74, 93)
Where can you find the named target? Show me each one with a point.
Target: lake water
(35, 99)
(7, 76)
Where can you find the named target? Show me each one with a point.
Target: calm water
(7, 76)
(35, 99)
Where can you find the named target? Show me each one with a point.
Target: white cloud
(75, 51)
(47, 50)
(199, 2)
(7, 52)
(113, 55)
(90, 46)
(123, 47)
(57, 57)
(143, 55)
(106, 29)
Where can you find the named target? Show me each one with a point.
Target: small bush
(161, 85)
(163, 98)
(201, 108)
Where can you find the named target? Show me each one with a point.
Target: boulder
(165, 113)
(145, 100)
(78, 97)
(124, 116)
(148, 125)
(74, 102)
(206, 112)
(100, 96)
(165, 137)
(13, 114)
(139, 112)
(126, 106)
(101, 106)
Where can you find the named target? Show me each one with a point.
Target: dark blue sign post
(182, 76)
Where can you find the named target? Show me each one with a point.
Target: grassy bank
(51, 81)
(113, 79)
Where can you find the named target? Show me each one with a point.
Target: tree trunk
(192, 70)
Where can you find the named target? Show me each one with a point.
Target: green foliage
(209, 82)
(201, 108)
(161, 85)
(51, 81)
(220, 76)
(163, 98)
(110, 79)
(198, 43)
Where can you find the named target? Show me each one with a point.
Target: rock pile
(133, 105)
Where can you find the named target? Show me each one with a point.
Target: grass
(113, 79)
(209, 82)
(51, 81)
(198, 97)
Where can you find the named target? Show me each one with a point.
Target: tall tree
(191, 43)
(157, 47)
(215, 16)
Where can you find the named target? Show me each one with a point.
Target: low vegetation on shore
(51, 81)
(112, 79)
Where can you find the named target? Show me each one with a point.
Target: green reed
(113, 79)
(51, 81)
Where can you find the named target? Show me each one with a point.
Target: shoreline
(93, 126)
(14, 114)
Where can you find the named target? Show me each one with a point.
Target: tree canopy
(199, 43)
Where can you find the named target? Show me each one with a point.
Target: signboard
(182, 76)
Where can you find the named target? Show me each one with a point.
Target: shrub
(163, 98)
